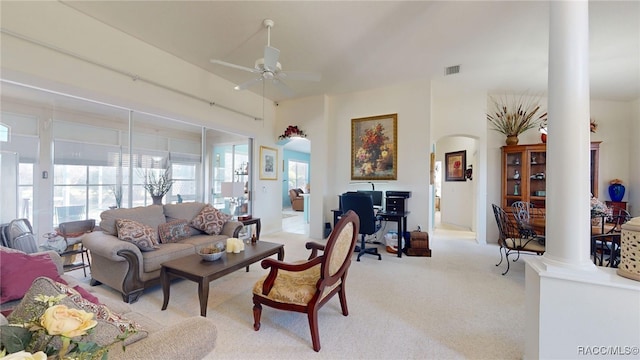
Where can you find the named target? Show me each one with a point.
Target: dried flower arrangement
(512, 116)
(158, 184)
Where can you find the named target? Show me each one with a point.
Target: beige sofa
(124, 267)
(191, 338)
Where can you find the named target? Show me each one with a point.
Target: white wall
(614, 120)
(411, 102)
(456, 112)
(634, 160)
(457, 198)
(309, 115)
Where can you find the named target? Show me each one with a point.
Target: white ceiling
(359, 45)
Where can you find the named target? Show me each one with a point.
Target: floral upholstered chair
(306, 286)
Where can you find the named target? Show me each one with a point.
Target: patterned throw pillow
(110, 324)
(143, 236)
(174, 231)
(210, 220)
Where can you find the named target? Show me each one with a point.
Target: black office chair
(362, 204)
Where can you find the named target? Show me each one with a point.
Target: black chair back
(362, 204)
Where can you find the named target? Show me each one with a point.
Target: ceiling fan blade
(248, 84)
(284, 89)
(239, 67)
(300, 75)
(271, 56)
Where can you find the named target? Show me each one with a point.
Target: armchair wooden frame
(333, 265)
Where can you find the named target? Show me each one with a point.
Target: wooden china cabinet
(524, 173)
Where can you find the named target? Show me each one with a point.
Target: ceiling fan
(269, 68)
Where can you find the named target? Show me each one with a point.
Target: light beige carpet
(454, 305)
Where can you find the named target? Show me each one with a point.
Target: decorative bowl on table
(212, 253)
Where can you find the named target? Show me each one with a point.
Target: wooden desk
(401, 219)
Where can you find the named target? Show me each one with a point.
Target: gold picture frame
(268, 163)
(374, 148)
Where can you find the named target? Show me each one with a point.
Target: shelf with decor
(524, 173)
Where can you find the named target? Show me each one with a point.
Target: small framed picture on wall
(455, 164)
(268, 163)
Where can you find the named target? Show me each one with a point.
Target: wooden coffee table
(193, 268)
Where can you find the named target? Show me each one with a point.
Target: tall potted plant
(514, 115)
(158, 185)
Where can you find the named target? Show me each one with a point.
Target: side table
(253, 221)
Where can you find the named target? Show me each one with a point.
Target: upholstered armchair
(297, 201)
(306, 286)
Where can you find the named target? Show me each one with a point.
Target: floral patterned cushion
(110, 324)
(143, 236)
(210, 220)
(174, 231)
(294, 287)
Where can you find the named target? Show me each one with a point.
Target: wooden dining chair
(306, 286)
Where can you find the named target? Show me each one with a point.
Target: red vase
(543, 137)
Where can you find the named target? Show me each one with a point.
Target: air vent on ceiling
(452, 70)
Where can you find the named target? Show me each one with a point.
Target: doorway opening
(295, 186)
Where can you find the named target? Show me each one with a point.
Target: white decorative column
(568, 155)
(564, 291)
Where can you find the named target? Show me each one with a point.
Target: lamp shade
(232, 189)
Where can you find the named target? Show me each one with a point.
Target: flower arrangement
(158, 184)
(513, 116)
(615, 181)
(291, 131)
(54, 331)
(593, 126)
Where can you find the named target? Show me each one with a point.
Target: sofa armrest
(108, 246)
(57, 259)
(232, 228)
(192, 338)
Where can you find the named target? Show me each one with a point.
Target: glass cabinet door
(513, 175)
(537, 178)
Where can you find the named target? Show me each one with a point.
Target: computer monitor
(376, 195)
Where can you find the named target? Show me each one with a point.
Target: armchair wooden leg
(313, 325)
(343, 300)
(257, 312)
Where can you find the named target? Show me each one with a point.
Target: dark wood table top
(229, 262)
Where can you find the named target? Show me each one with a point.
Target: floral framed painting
(268, 163)
(455, 164)
(374, 148)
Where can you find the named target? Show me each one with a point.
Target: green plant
(158, 184)
(514, 115)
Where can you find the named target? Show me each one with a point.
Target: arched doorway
(296, 175)
(456, 201)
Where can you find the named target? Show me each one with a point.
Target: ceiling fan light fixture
(268, 68)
